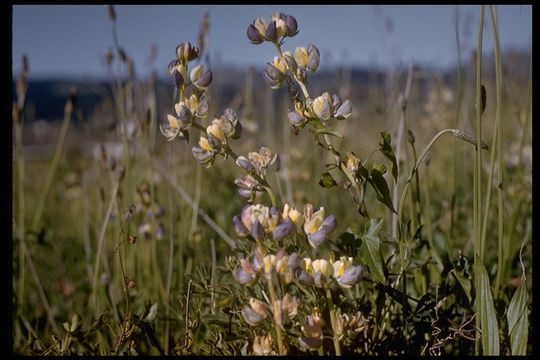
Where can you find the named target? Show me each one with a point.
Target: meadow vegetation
(395, 221)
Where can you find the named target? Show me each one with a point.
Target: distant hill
(46, 97)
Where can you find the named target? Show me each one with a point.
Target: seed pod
(469, 137)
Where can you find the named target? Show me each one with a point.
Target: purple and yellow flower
(317, 227)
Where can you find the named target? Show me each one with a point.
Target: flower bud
(196, 73)
(204, 81)
(291, 25)
(254, 35)
(271, 32)
(313, 58)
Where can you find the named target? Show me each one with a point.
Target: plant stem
(21, 215)
(100, 244)
(51, 172)
(273, 299)
(411, 174)
(478, 251)
(498, 121)
(332, 308)
(455, 126)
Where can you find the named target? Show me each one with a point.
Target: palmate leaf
(370, 252)
(518, 321)
(486, 311)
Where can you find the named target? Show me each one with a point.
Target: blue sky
(71, 39)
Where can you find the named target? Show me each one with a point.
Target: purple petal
(253, 35)
(239, 226)
(329, 224)
(317, 237)
(284, 229)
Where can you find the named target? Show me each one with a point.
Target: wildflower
(316, 226)
(312, 332)
(247, 185)
(269, 261)
(252, 317)
(352, 162)
(322, 107)
(186, 52)
(346, 273)
(246, 274)
(284, 229)
(262, 159)
(289, 60)
(295, 118)
(263, 345)
(205, 151)
(293, 214)
(169, 132)
(343, 111)
(268, 218)
(245, 164)
(273, 76)
(351, 276)
(289, 304)
(290, 24)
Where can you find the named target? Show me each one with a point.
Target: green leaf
(327, 181)
(370, 249)
(518, 320)
(486, 311)
(386, 148)
(378, 182)
(464, 282)
(151, 313)
(328, 131)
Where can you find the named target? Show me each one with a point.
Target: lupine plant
(296, 279)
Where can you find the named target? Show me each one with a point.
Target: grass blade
(486, 310)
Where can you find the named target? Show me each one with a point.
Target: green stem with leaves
(333, 321)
